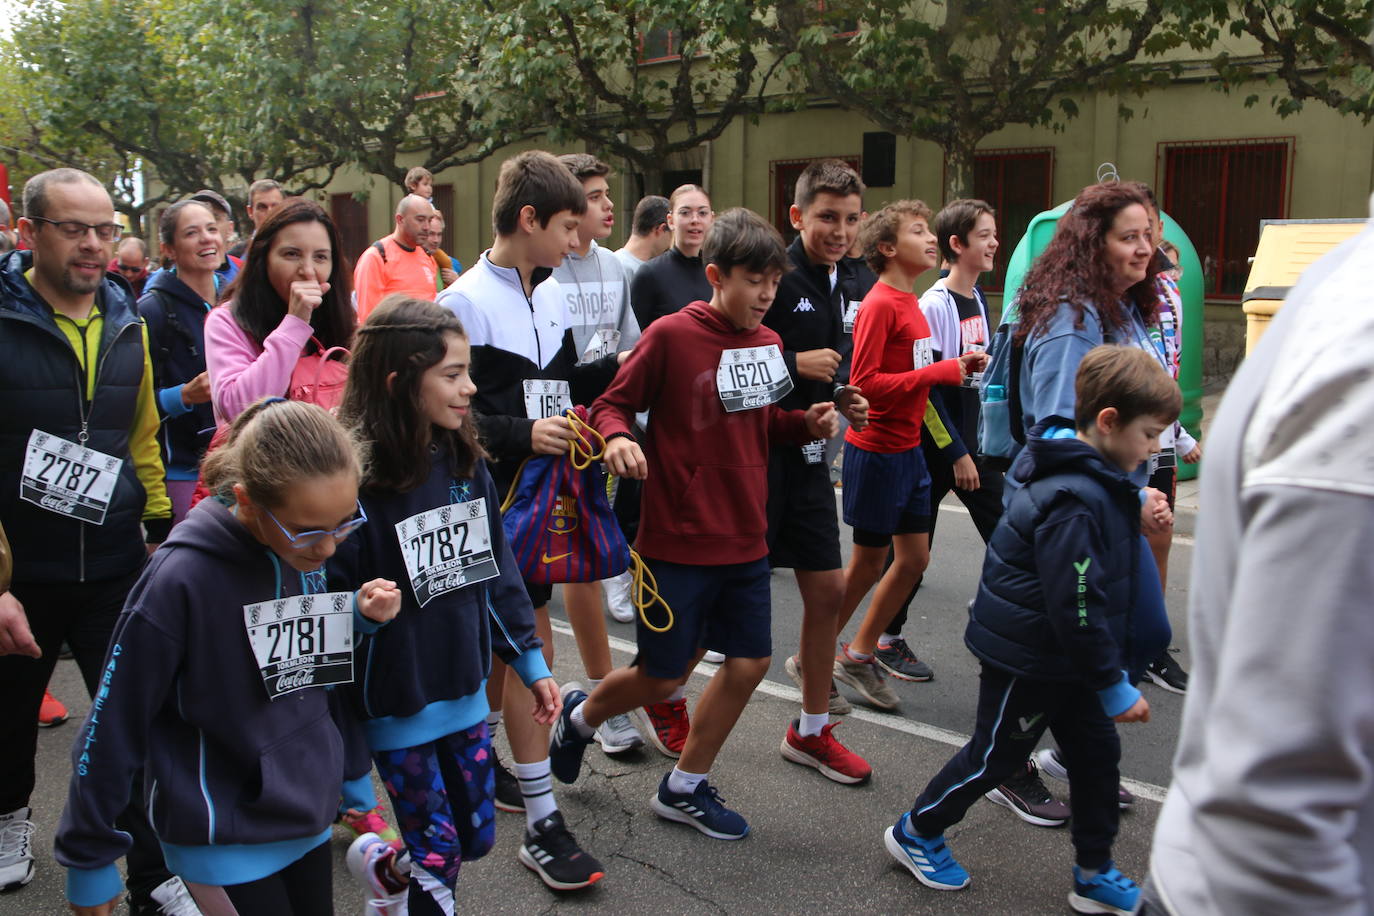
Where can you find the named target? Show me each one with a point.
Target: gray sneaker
(16, 849)
(867, 679)
(839, 706)
(618, 735)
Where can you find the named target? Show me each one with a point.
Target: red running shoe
(827, 754)
(52, 712)
(666, 724)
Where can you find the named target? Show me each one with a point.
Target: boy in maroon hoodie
(712, 377)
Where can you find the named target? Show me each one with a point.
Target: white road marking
(908, 726)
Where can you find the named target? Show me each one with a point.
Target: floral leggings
(442, 795)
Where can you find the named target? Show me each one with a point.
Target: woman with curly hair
(1092, 285)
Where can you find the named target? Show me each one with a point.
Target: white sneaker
(617, 590)
(713, 657)
(618, 734)
(373, 861)
(173, 898)
(16, 849)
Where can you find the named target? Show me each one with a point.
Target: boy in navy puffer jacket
(1053, 626)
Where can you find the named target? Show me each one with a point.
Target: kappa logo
(804, 305)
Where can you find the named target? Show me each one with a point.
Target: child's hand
(818, 365)
(625, 458)
(551, 435)
(379, 600)
(548, 704)
(821, 420)
(1139, 712)
(1194, 456)
(973, 361)
(1155, 515)
(622, 356)
(852, 403)
(966, 474)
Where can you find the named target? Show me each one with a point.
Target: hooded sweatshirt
(237, 786)
(424, 674)
(1057, 594)
(175, 315)
(705, 496)
(596, 291)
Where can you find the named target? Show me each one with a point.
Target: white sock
(885, 640)
(439, 892)
(809, 724)
(1087, 874)
(857, 656)
(536, 785)
(579, 721)
(686, 783)
(493, 721)
(679, 694)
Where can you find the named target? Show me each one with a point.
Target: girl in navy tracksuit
(436, 528)
(243, 763)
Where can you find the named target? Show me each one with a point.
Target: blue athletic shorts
(885, 494)
(725, 608)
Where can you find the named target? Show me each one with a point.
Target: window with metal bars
(658, 44)
(1218, 191)
(1018, 183)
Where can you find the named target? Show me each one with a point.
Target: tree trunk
(959, 167)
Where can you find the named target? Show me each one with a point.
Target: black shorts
(803, 526)
(540, 595)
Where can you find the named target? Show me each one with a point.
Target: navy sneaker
(1109, 891)
(701, 808)
(928, 859)
(566, 744)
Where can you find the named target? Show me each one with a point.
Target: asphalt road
(815, 845)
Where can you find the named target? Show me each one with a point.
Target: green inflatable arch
(1038, 236)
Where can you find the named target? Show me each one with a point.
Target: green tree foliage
(580, 69)
(1312, 50)
(133, 78)
(953, 72)
(359, 83)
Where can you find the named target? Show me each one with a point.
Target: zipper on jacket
(85, 408)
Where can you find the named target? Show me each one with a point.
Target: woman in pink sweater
(295, 285)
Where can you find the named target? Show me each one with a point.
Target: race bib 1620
(751, 377)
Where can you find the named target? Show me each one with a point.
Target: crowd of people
(331, 446)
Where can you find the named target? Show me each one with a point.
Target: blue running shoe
(565, 743)
(928, 859)
(1109, 891)
(702, 809)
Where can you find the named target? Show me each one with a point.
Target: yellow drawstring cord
(582, 451)
(644, 594)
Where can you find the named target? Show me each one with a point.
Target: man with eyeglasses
(81, 487)
(131, 262)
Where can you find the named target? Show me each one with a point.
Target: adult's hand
(196, 391)
(306, 295)
(15, 636)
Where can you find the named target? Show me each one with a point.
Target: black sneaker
(1167, 673)
(565, 744)
(1025, 794)
(550, 851)
(508, 796)
(899, 661)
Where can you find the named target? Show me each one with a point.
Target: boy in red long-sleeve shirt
(886, 483)
(712, 377)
